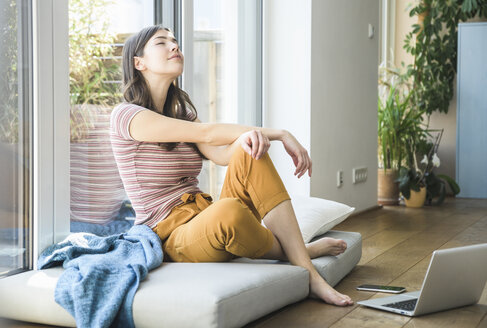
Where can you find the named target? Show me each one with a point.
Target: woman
(159, 144)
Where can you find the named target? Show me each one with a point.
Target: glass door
(15, 135)
(225, 82)
(97, 32)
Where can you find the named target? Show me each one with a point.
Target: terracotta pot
(417, 198)
(388, 190)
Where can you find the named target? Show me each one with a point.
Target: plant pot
(417, 198)
(388, 189)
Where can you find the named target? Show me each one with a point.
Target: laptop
(455, 277)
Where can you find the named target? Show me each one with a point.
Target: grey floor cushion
(216, 294)
(332, 268)
(335, 268)
(189, 294)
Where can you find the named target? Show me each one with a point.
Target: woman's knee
(241, 154)
(234, 212)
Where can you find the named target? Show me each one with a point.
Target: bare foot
(320, 289)
(326, 246)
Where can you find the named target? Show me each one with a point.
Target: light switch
(371, 31)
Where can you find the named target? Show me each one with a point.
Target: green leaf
(441, 194)
(453, 185)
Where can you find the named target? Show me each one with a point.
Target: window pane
(15, 88)
(97, 32)
(226, 59)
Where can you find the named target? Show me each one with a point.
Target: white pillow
(316, 215)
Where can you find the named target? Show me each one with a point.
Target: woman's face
(161, 56)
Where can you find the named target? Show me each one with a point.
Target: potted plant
(417, 182)
(398, 121)
(412, 180)
(433, 43)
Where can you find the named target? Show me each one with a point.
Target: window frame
(51, 124)
(179, 16)
(50, 179)
(51, 183)
(24, 98)
(26, 103)
(182, 11)
(387, 31)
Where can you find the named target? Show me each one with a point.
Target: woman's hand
(255, 143)
(299, 154)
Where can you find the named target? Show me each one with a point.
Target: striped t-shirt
(96, 188)
(154, 178)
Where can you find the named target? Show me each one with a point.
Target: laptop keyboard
(408, 305)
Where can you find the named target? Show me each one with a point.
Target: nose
(174, 46)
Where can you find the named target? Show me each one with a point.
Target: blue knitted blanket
(102, 274)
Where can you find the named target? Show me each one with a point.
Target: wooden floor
(397, 247)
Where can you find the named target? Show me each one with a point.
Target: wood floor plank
(381, 242)
(347, 286)
(365, 317)
(367, 225)
(483, 322)
(395, 261)
(469, 316)
(464, 317)
(7, 323)
(399, 259)
(307, 313)
(474, 234)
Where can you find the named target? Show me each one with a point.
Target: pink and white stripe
(154, 179)
(96, 188)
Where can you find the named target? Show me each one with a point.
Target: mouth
(175, 57)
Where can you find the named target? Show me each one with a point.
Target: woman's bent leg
(259, 186)
(225, 229)
(255, 182)
(281, 220)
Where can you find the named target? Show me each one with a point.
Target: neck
(158, 87)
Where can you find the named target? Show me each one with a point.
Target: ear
(139, 63)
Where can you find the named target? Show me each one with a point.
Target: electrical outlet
(339, 178)
(359, 174)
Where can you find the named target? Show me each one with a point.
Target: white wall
(320, 83)
(344, 99)
(286, 81)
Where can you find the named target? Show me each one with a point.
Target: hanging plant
(433, 43)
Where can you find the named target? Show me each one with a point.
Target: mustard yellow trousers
(200, 230)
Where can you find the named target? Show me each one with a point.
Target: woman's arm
(254, 142)
(219, 155)
(153, 127)
(149, 126)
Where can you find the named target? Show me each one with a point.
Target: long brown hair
(136, 90)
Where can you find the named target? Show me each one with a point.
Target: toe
(347, 299)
